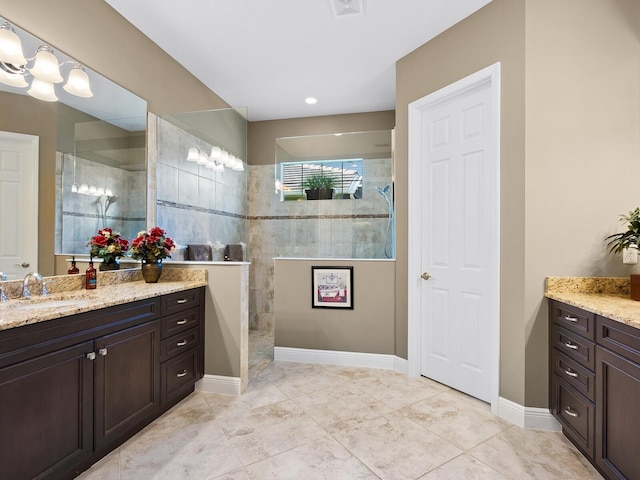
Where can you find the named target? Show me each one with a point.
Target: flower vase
(109, 264)
(151, 271)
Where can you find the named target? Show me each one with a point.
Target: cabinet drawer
(576, 413)
(179, 374)
(574, 346)
(180, 322)
(573, 319)
(620, 338)
(180, 301)
(179, 343)
(576, 375)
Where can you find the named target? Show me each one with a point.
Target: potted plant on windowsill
(318, 186)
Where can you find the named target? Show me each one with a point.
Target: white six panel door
(18, 204)
(459, 180)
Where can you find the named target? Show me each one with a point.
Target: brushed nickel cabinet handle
(570, 412)
(570, 319)
(91, 355)
(181, 374)
(571, 346)
(182, 343)
(571, 373)
(180, 301)
(182, 322)
(103, 351)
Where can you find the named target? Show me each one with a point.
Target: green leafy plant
(319, 181)
(619, 241)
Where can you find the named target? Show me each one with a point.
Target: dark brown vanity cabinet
(74, 388)
(595, 387)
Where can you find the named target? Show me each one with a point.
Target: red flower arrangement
(152, 246)
(108, 245)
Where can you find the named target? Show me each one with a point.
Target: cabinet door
(617, 419)
(127, 381)
(46, 414)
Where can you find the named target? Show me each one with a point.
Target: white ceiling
(269, 55)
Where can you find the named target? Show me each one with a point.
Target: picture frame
(332, 287)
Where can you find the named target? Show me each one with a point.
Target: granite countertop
(605, 296)
(67, 296)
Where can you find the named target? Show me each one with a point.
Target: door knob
(23, 264)
(425, 276)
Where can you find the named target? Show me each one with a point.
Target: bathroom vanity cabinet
(74, 388)
(595, 387)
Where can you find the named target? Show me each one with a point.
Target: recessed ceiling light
(311, 100)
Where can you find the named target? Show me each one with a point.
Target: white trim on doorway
(489, 75)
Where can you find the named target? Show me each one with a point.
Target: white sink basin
(53, 304)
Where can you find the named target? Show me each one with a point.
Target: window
(347, 176)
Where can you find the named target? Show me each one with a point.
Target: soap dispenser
(73, 268)
(91, 276)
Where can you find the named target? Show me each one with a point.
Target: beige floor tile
(530, 454)
(237, 475)
(342, 407)
(462, 420)
(464, 467)
(322, 459)
(106, 469)
(269, 430)
(394, 447)
(295, 379)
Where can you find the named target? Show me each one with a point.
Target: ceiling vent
(345, 8)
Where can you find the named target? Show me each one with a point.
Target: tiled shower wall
(79, 217)
(194, 204)
(354, 228)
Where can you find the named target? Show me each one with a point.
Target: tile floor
(304, 421)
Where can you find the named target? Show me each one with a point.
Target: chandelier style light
(43, 69)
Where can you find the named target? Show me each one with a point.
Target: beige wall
(493, 34)
(93, 33)
(582, 150)
(570, 153)
(262, 135)
(368, 328)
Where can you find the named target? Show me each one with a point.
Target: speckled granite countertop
(605, 296)
(68, 296)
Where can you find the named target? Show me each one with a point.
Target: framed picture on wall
(332, 287)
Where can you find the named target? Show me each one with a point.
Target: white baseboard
(347, 359)
(219, 384)
(527, 417)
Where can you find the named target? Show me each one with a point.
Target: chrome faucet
(25, 284)
(3, 295)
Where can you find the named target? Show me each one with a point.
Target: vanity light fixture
(45, 69)
(217, 160)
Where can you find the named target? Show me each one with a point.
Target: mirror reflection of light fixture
(216, 160)
(45, 69)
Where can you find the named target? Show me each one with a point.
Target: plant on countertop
(108, 245)
(319, 181)
(152, 246)
(619, 241)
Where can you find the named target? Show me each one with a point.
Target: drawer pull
(571, 373)
(180, 301)
(91, 355)
(571, 346)
(570, 412)
(103, 351)
(182, 322)
(182, 343)
(570, 319)
(183, 373)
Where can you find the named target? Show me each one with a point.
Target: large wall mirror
(95, 149)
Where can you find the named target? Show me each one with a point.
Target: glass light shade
(84, 188)
(215, 153)
(219, 167)
(210, 165)
(78, 83)
(93, 190)
(100, 191)
(42, 90)
(202, 159)
(108, 192)
(13, 79)
(74, 188)
(224, 157)
(46, 66)
(10, 46)
(237, 165)
(193, 155)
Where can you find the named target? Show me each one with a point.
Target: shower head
(384, 190)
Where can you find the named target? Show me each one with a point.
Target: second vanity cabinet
(595, 387)
(74, 388)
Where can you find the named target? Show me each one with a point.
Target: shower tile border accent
(318, 217)
(193, 208)
(95, 215)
